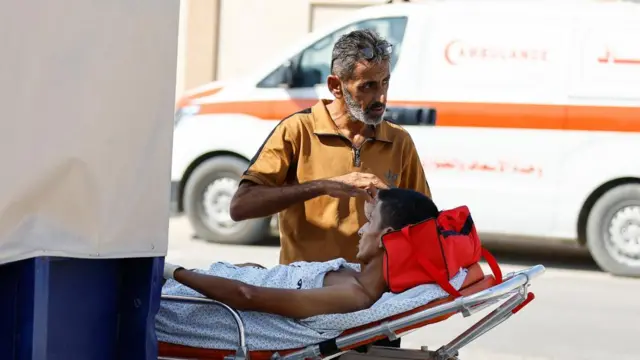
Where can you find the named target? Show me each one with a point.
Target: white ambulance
(527, 112)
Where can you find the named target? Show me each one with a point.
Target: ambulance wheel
(207, 198)
(613, 231)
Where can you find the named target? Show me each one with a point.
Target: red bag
(433, 251)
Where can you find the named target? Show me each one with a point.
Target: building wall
(222, 39)
(247, 36)
(197, 43)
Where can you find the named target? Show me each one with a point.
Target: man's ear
(382, 233)
(335, 86)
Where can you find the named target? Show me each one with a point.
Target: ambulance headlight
(184, 112)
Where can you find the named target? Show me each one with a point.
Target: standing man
(315, 166)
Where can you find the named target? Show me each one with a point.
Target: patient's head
(392, 209)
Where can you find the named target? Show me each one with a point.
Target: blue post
(67, 309)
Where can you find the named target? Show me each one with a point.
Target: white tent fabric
(87, 91)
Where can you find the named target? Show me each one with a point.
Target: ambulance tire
(222, 173)
(617, 209)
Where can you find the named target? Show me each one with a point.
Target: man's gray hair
(348, 51)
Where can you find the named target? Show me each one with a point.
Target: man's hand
(361, 180)
(339, 189)
(355, 184)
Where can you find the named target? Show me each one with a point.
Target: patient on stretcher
(290, 306)
(306, 289)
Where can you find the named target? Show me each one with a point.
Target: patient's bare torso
(340, 277)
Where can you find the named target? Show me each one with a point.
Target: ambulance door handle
(411, 115)
(428, 116)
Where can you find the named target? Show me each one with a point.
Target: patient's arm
(297, 304)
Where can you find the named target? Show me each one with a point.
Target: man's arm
(262, 191)
(254, 200)
(413, 176)
(297, 304)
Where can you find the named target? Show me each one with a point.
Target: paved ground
(579, 313)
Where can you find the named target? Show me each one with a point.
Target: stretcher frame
(512, 294)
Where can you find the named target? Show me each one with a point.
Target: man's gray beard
(356, 113)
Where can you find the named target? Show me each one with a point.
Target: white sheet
(88, 94)
(209, 326)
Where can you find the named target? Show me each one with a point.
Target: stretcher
(479, 291)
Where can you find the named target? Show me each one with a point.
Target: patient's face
(370, 234)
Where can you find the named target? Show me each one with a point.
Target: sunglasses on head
(369, 52)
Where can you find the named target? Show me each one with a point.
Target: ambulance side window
(312, 66)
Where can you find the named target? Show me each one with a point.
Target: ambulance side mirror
(288, 74)
(282, 77)
(285, 75)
